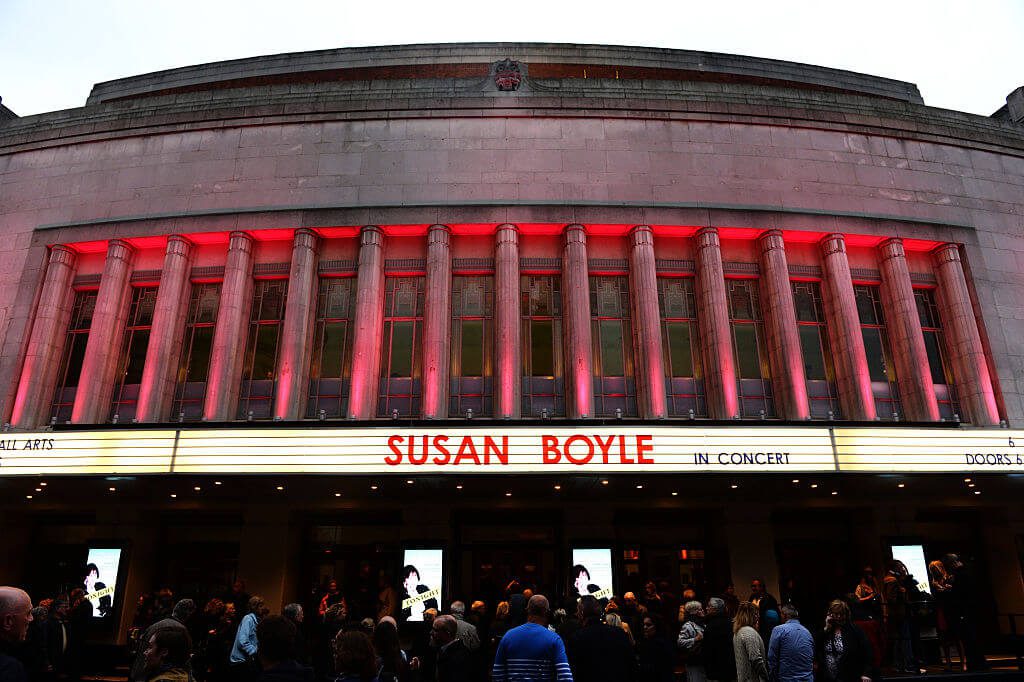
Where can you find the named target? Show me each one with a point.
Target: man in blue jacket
(791, 649)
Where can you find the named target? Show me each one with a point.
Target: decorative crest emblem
(507, 75)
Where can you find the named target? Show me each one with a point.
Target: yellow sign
(632, 448)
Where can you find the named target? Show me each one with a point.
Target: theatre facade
(288, 317)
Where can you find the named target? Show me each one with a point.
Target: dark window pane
(136, 357)
(206, 306)
(612, 357)
(265, 352)
(202, 342)
(742, 303)
(472, 348)
(866, 305)
(931, 343)
(542, 346)
(333, 347)
(873, 351)
(810, 343)
(747, 359)
(401, 348)
(803, 300)
(75, 358)
(679, 349)
(272, 301)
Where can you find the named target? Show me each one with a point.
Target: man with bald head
(454, 660)
(531, 652)
(15, 615)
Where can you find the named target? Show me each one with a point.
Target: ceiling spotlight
(814, 485)
(373, 487)
(42, 483)
(901, 485)
(639, 487)
(796, 480)
(174, 494)
(970, 485)
(280, 487)
(734, 486)
(967, 480)
(28, 497)
(558, 487)
(39, 490)
(675, 494)
(835, 492)
(197, 488)
(216, 482)
(410, 481)
(112, 489)
(458, 487)
(977, 492)
(508, 494)
(604, 481)
(337, 494)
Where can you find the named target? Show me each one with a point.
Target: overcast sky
(962, 55)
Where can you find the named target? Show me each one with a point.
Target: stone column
(159, 376)
(643, 283)
(715, 331)
(103, 349)
(292, 387)
(853, 378)
(369, 325)
(230, 336)
(579, 378)
(46, 344)
(508, 337)
(785, 355)
(903, 325)
(437, 323)
(963, 340)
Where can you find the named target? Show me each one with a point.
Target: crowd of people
(655, 637)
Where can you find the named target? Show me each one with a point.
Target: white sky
(962, 55)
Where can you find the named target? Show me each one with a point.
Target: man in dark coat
(455, 662)
(15, 616)
(719, 658)
(599, 652)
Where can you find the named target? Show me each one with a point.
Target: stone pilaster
(46, 344)
(963, 340)
(103, 349)
(508, 342)
(643, 282)
(229, 338)
(903, 325)
(292, 388)
(579, 363)
(715, 332)
(853, 378)
(163, 354)
(437, 323)
(785, 355)
(368, 323)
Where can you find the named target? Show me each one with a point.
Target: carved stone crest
(507, 75)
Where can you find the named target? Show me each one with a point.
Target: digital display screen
(912, 557)
(101, 568)
(591, 573)
(422, 577)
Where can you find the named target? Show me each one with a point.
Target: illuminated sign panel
(923, 450)
(601, 449)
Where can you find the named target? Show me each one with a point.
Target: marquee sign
(438, 450)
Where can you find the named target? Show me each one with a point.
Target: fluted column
(156, 390)
(229, 338)
(369, 324)
(46, 344)
(576, 316)
(643, 282)
(297, 334)
(970, 367)
(785, 356)
(853, 378)
(103, 349)
(508, 345)
(917, 393)
(437, 323)
(715, 332)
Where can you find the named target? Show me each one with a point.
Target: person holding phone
(842, 652)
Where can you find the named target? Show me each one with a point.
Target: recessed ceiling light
(458, 487)
(734, 486)
(197, 488)
(280, 487)
(967, 480)
(112, 489)
(508, 494)
(977, 492)
(28, 497)
(675, 494)
(835, 492)
(901, 485)
(558, 487)
(814, 485)
(639, 487)
(39, 490)
(604, 482)
(373, 487)
(216, 482)
(796, 480)
(174, 494)
(970, 485)
(410, 481)
(42, 483)
(337, 494)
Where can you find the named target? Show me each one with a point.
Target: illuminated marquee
(627, 449)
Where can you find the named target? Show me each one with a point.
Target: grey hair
(692, 607)
(183, 610)
(790, 612)
(458, 608)
(716, 604)
(291, 611)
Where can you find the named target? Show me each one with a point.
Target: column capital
(62, 254)
(506, 234)
(771, 239)
(179, 245)
(575, 234)
(641, 235)
(239, 240)
(119, 248)
(707, 236)
(305, 238)
(832, 243)
(891, 248)
(946, 253)
(371, 235)
(438, 234)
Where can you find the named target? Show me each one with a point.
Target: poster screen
(422, 577)
(591, 573)
(101, 569)
(912, 557)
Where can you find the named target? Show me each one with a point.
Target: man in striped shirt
(531, 652)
